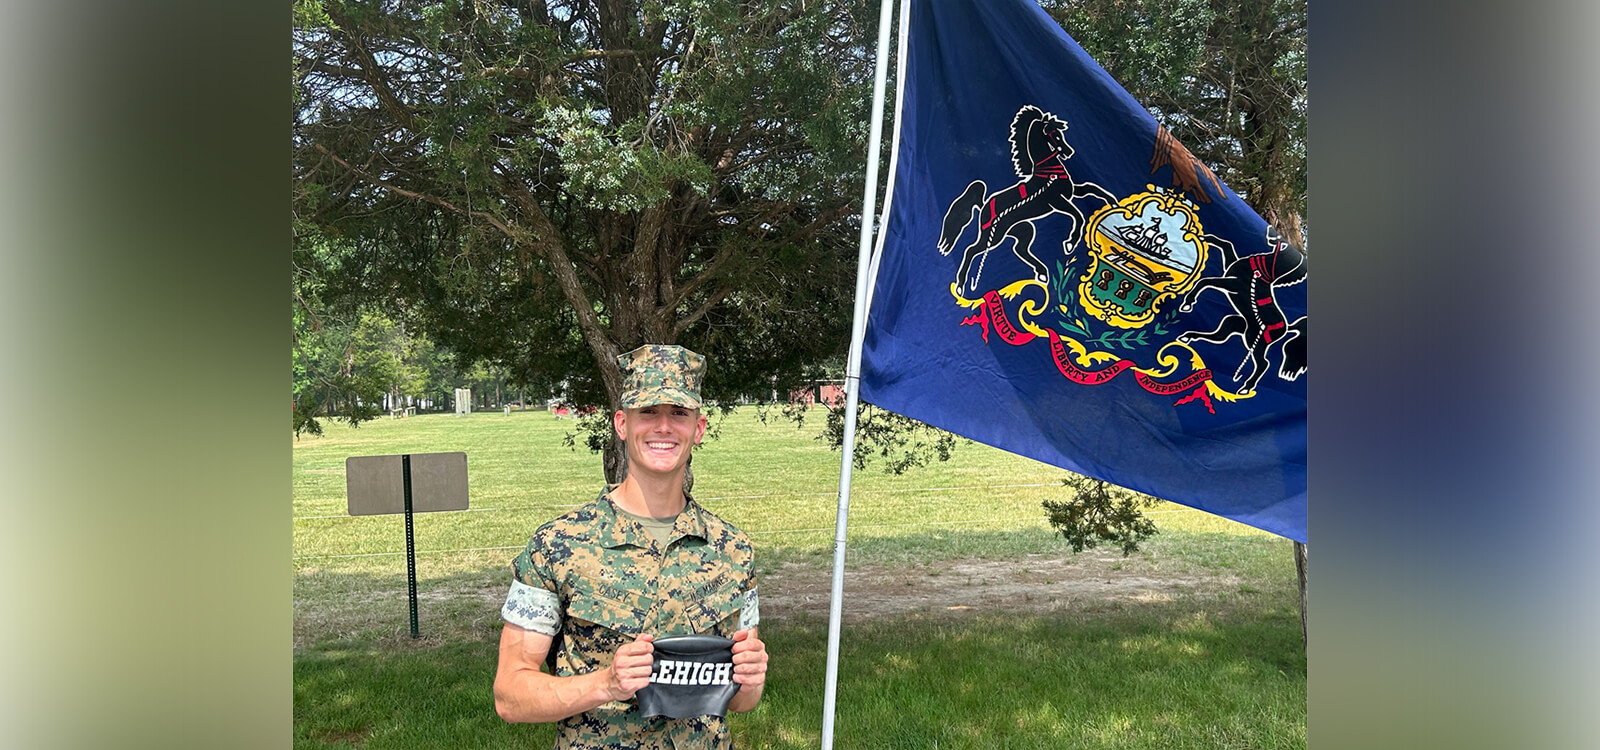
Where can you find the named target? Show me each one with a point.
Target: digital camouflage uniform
(660, 374)
(598, 579)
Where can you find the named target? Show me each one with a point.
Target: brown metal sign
(375, 485)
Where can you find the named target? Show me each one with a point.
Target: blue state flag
(1060, 278)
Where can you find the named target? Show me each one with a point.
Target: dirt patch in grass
(1032, 584)
(446, 609)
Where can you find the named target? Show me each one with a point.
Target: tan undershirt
(659, 529)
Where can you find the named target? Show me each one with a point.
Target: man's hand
(749, 668)
(630, 668)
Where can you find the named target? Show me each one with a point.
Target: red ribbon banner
(992, 312)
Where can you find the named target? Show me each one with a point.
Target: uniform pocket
(600, 621)
(607, 607)
(715, 610)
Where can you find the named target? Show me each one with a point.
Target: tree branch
(333, 69)
(729, 167)
(369, 65)
(513, 233)
(522, 71)
(518, 72)
(547, 240)
(706, 274)
(823, 219)
(699, 312)
(611, 54)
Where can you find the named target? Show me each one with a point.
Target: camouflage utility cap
(661, 374)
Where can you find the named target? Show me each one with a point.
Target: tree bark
(615, 461)
(1300, 564)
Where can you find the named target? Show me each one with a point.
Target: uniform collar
(613, 529)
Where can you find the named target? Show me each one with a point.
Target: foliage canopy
(546, 185)
(1226, 77)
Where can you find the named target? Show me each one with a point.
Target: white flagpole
(852, 378)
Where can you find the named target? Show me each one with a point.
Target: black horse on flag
(1039, 152)
(1249, 283)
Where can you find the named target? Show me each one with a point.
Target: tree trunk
(1300, 565)
(615, 462)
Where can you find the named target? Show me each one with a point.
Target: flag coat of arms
(1060, 278)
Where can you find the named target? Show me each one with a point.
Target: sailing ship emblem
(1145, 250)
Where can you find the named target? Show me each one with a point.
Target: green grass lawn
(1222, 669)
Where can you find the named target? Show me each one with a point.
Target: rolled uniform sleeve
(749, 602)
(750, 610)
(532, 603)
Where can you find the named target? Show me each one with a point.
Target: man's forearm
(531, 697)
(745, 699)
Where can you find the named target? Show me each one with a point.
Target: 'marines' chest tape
(691, 675)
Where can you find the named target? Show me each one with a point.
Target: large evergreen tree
(547, 184)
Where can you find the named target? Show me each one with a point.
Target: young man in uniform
(596, 586)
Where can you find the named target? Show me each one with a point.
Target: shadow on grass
(420, 698)
(1154, 677)
(1168, 678)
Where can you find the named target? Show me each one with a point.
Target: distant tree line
(353, 363)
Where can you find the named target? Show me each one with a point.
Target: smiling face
(659, 438)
